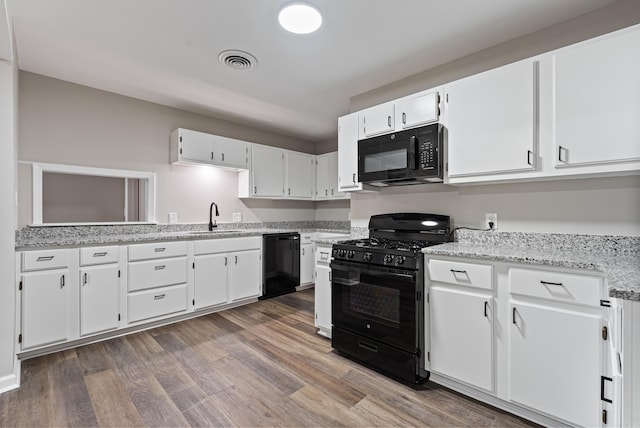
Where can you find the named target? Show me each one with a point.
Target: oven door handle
(358, 271)
(411, 152)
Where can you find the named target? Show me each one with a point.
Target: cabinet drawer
(45, 259)
(157, 251)
(323, 254)
(212, 246)
(562, 287)
(155, 303)
(157, 273)
(305, 238)
(98, 255)
(461, 273)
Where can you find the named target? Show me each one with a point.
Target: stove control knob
(388, 258)
(400, 260)
(350, 254)
(341, 253)
(367, 257)
(334, 252)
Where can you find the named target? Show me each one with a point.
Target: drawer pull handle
(551, 283)
(458, 271)
(160, 267)
(368, 347)
(158, 297)
(159, 249)
(101, 254)
(45, 258)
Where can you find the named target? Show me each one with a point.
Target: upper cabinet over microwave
(408, 112)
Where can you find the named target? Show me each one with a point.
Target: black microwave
(412, 156)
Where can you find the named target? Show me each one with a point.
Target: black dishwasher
(280, 264)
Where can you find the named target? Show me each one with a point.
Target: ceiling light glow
(300, 18)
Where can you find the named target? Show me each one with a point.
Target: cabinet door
(323, 177)
(233, 153)
(418, 110)
(196, 146)
(300, 175)
(99, 299)
(348, 153)
(461, 326)
(323, 299)
(45, 308)
(333, 177)
(597, 100)
(554, 356)
(376, 120)
(306, 263)
(245, 274)
(210, 280)
(268, 171)
(491, 121)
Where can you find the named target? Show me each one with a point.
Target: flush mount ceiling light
(300, 18)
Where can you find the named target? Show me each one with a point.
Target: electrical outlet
(237, 217)
(173, 218)
(491, 218)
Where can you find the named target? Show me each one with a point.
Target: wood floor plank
(111, 403)
(31, 405)
(258, 365)
(69, 393)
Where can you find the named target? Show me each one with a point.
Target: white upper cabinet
(327, 177)
(491, 121)
(267, 171)
(417, 110)
(348, 153)
(376, 120)
(595, 103)
(189, 146)
(232, 153)
(300, 175)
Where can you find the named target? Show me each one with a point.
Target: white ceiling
(166, 51)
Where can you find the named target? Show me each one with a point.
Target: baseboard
(12, 381)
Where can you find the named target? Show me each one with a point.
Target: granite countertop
(78, 236)
(617, 258)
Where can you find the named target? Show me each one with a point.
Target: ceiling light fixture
(300, 18)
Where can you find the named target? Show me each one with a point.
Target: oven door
(376, 302)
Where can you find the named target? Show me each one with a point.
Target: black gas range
(377, 293)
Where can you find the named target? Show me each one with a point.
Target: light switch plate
(173, 218)
(237, 217)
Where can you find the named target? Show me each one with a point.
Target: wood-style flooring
(258, 365)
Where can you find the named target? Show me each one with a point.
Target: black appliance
(377, 292)
(280, 264)
(413, 156)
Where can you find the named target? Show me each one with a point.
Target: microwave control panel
(428, 155)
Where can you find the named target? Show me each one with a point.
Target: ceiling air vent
(238, 60)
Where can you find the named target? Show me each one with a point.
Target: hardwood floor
(257, 365)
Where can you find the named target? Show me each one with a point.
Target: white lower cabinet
(210, 280)
(99, 298)
(461, 326)
(306, 260)
(45, 308)
(540, 342)
(555, 361)
(226, 270)
(149, 304)
(323, 289)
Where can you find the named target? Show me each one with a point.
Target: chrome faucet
(212, 223)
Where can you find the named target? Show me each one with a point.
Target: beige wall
(65, 123)
(595, 206)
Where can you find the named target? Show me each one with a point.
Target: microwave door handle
(411, 153)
